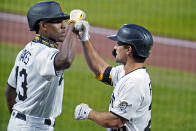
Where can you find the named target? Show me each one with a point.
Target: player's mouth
(63, 34)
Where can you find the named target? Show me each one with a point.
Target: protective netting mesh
(171, 65)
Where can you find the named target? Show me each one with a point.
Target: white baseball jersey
(38, 85)
(131, 98)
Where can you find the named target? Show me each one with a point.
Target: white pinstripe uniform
(39, 88)
(131, 98)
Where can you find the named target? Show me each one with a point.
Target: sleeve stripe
(106, 77)
(100, 77)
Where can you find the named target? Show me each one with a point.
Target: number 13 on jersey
(21, 82)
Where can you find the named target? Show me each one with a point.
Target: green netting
(173, 80)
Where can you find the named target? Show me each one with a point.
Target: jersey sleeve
(45, 62)
(111, 75)
(116, 73)
(12, 77)
(128, 102)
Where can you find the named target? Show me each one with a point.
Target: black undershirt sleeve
(106, 77)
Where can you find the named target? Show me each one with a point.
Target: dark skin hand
(10, 94)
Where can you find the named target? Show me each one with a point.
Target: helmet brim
(113, 37)
(63, 17)
(116, 38)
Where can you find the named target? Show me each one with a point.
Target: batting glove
(82, 26)
(76, 15)
(82, 111)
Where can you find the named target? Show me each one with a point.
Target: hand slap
(82, 26)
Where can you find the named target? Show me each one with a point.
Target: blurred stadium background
(172, 63)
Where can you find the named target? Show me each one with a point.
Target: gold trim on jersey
(45, 41)
(106, 80)
(106, 77)
(99, 77)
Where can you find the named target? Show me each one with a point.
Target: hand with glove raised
(82, 27)
(76, 15)
(82, 111)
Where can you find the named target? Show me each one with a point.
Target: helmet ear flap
(36, 27)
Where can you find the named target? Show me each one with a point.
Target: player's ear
(129, 50)
(42, 25)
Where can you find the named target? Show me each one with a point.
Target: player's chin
(121, 61)
(61, 38)
(117, 60)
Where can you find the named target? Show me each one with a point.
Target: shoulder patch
(123, 106)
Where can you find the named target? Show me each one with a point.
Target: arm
(105, 119)
(95, 62)
(64, 58)
(10, 94)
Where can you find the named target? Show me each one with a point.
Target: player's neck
(130, 66)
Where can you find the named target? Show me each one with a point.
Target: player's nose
(63, 24)
(115, 46)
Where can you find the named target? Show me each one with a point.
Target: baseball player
(130, 104)
(35, 86)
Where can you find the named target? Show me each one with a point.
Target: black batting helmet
(136, 36)
(44, 10)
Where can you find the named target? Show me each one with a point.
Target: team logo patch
(123, 105)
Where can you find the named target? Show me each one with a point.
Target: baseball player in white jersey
(35, 86)
(130, 105)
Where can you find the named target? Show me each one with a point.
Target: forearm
(66, 53)
(93, 59)
(10, 94)
(105, 119)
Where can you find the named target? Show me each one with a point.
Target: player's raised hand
(82, 27)
(76, 15)
(82, 111)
